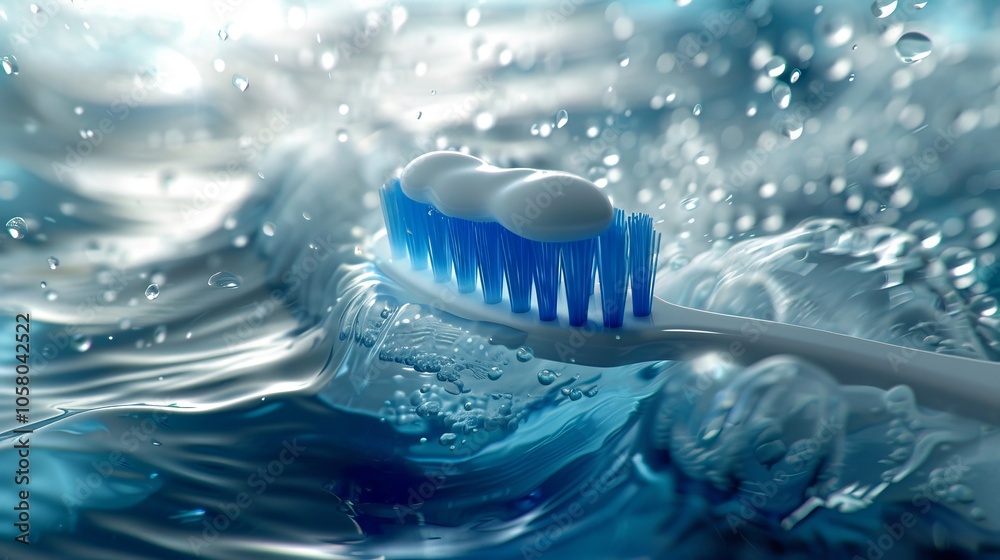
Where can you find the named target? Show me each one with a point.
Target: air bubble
(547, 376)
(152, 292)
(53, 263)
(524, 354)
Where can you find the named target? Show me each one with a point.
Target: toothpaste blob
(538, 205)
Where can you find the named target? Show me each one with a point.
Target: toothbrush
(534, 228)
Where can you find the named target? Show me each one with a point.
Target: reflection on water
(189, 190)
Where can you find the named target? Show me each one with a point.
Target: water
(280, 397)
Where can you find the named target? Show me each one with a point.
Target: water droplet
(561, 118)
(929, 233)
(524, 354)
(51, 295)
(472, 17)
(796, 74)
(919, 4)
(958, 261)
(838, 30)
(782, 95)
(240, 82)
(223, 34)
(887, 173)
(10, 65)
(152, 292)
(696, 111)
(913, 47)
(775, 67)
(447, 438)
(689, 203)
(160, 334)
(751, 109)
(43, 284)
(575, 394)
(268, 229)
(484, 121)
(851, 77)
(342, 136)
(17, 227)
(224, 279)
(983, 305)
(960, 493)
(53, 263)
(81, 343)
(546, 377)
(590, 393)
(494, 374)
(792, 128)
(623, 60)
(702, 158)
(884, 8)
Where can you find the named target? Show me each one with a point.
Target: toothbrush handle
(966, 387)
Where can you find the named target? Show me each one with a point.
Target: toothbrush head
(527, 231)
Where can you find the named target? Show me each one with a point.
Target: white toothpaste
(538, 205)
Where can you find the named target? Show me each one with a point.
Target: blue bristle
(415, 217)
(624, 258)
(489, 260)
(440, 245)
(395, 227)
(644, 251)
(578, 275)
(546, 278)
(463, 253)
(612, 261)
(519, 268)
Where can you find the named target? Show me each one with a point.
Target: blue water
(275, 395)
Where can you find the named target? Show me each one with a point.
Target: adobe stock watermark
(114, 281)
(361, 36)
(757, 157)
(92, 139)
(250, 148)
(129, 441)
(229, 512)
(588, 494)
(456, 114)
(563, 11)
(691, 49)
(323, 247)
(435, 479)
(42, 14)
(928, 495)
(805, 452)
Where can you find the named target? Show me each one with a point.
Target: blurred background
(217, 370)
